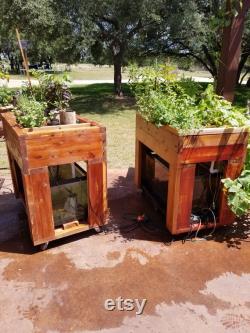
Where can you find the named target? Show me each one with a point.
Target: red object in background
(230, 53)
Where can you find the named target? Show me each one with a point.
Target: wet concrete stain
(192, 287)
(60, 297)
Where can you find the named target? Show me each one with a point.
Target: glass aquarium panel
(69, 193)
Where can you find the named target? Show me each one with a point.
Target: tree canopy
(194, 30)
(118, 27)
(116, 32)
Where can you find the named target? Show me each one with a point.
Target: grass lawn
(91, 73)
(98, 103)
(95, 73)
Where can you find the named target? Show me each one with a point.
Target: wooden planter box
(32, 152)
(183, 153)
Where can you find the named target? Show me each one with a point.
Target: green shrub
(51, 88)
(215, 111)
(6, 96)
(29, 112)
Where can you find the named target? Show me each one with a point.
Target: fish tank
(69, 193)
(155, 177)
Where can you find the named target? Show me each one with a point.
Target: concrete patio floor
(201, 286)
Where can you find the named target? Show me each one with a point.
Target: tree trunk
(230, 53)
(118, 73)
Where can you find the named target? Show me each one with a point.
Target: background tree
(116, 32)
(52, 27)
(194, 30)
(118, 26)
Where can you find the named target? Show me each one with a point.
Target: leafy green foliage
(193, 30)
(163, 100)
(55, 32)
(29, 112)
(51, 88)
(6, 96)
(170, 107)
(5, 93)
(51, 95)
(238, 190)
(215, 111)
(4, 74)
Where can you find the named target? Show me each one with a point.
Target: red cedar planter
(31, 152)
(183, 152)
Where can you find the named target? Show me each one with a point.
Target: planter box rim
(84, 124)
(202, 131)
(6, 108)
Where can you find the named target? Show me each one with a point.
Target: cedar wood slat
(184, 207)
(97, 208)
(39, 206)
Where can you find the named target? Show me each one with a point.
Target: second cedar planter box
(60, 173)
(183, 172)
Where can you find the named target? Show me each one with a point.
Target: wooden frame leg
(185, 200)
(173, 190)
(97, 192)
(180, 196)
(138, 163)
(39, 206)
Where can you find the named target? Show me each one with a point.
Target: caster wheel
(140, 191)
(44, 246)
(98, 229)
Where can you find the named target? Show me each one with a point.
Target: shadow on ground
(125, 205)
(100, 99)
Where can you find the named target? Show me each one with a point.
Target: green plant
(51, 88)
(144, 79)
(29, 112)
(164, 100)
(215, 111)
(6, 96)
(161, 99)
(191, 88)
(238, 190)
(169, 107)
(4, 75)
